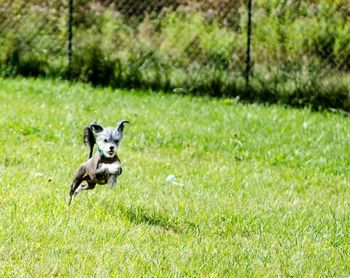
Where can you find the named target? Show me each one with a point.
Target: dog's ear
(89, 139)
(120, 126)
(95, 127)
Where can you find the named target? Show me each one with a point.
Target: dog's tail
(89, 139)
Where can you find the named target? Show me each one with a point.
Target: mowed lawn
(260, 190)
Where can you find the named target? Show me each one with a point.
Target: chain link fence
(171, 45)
(33, 36)
(300, 50)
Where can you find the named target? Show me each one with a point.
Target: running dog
(105, 165)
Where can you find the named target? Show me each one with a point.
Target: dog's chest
(102, 178)
(105, 171)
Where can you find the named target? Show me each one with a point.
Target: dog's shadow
(141, 215)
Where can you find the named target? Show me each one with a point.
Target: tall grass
(260, 191)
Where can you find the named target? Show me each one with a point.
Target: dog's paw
(112, 181)
(119, 171)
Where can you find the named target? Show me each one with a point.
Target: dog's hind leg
(78, 179)
(73, 189)
(88, 186)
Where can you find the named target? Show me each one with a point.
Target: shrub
(92, 64)
(17, 60)
(301, 54)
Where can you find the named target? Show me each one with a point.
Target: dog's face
(108, 139)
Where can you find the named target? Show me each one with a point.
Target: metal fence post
(70, 36)
(249, 35)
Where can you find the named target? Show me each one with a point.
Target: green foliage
(305, 86)
(290, 33)
(91, 64)
(188, 37)
(33, 44)
(187, 47)
(341, 48)
(17, 60)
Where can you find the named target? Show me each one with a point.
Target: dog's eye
(106, 141)
(116, 141)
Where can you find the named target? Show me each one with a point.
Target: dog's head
(108, 139)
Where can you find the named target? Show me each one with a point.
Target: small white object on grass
(171, 178)
(41, 175)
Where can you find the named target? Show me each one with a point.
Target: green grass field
(260, 191)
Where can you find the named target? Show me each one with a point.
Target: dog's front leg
(114, 168)
(116, 172)
(108, 173)
(112, 181)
